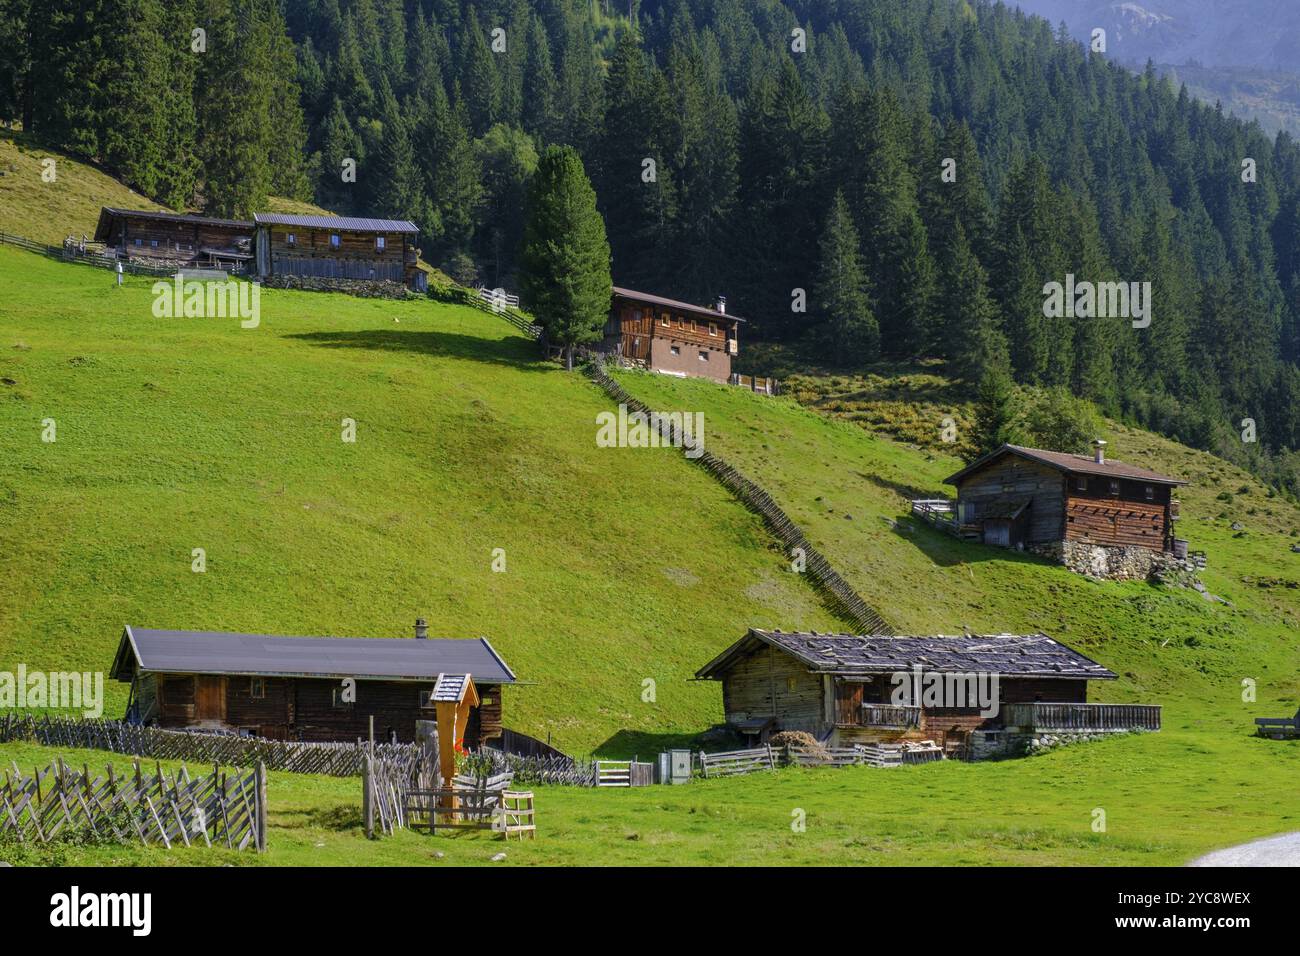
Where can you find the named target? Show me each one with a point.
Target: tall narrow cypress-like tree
(565, 263)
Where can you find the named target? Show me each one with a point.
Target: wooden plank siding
(174, 239)
(769, 683)
(1013, 477)
(672, 340)
(303, 708)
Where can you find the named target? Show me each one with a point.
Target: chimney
(722, 304)
(1099, 451)
(421, 629)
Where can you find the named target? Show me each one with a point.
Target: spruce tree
(842, 300)
(565, 263)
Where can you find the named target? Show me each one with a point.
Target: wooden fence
(735, 762)
(732, 762)
(332, 759)
(863, 618)
(1101, 718)
(72, 254)
(216, 809)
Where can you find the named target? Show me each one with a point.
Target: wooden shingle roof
(1066, 462)
(1018, 655)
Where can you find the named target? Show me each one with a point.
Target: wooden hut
(175, 237)
(845, 689)
(1019, 497)
(338, 247)
(674, 337)
(310, 688)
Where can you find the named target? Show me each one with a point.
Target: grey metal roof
(370, 658)
(335, 222)
(1020, 655)
(108, 213)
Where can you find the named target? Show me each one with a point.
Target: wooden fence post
(367, 798)
(259, 777)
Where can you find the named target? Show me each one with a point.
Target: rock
(3, 863)
(848, 517)
(498, 858)
(438, 855)
(1237, 526)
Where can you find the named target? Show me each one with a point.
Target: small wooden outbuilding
(175, 237)
(847, 689)
(312, 688)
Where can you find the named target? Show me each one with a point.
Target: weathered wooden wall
(1017, 478)
(769, 683)
(303, 709)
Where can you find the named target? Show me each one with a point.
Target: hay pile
(801, 740)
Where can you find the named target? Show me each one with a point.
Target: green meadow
(623, 565)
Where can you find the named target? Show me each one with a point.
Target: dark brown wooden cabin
(1018, 497)
(338, 247)
(184, 239)
(840, 688)
(291, 688)
(671, 336)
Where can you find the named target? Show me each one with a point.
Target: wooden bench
(1279, 728)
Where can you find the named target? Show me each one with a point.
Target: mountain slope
(622, 565)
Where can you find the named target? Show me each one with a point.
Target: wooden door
(209, 698)
(997, 533)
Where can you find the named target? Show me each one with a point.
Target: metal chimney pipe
(722, 304)
(421, 629)
(1099, 451)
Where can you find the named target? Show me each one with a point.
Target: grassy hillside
(50, 211)
(172, 434)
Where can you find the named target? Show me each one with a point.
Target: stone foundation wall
(1115, 564)
(987, 745)
(366, 288)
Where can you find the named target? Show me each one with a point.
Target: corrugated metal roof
(1019, 655)
(371, 658)
(619, 291)
(335, 222)
(1076, 464)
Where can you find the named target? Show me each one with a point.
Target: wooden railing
(939, 512)
(889, 715)
(1081, 717)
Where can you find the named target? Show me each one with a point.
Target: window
(1150, 492)
(334, 240)
(791, 683)
(426, 698)
(704, 356)
(139, 242)
(153, 243)
(291, 239)
(664, 320)
(337, 701)
(681, 322)
(1114, 487)
(1082, 484)
(675, 350)
(379, 243)
(713, 329)
(257, 688)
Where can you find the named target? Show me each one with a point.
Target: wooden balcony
(1081, 718)
(889, 716)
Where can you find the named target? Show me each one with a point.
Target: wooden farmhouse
(1095, 514)
(198, 241)
(671, 336)
(338, 247)
(975, 695)
(294, 688)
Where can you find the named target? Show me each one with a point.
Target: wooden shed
(845, 689)
(1021, 497)
(674, 337)
(309, 688)
(182, 238)
(338, 247)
